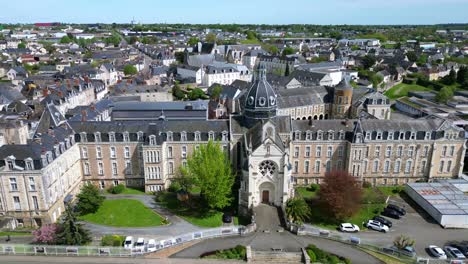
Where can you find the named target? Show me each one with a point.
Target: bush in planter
(112, 240)
(117, 189)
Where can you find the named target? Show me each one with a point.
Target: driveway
(177, 226)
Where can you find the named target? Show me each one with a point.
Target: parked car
(454, 252)
(383, 220)
(377, 226)
(227, 218)
(463, 247)
(400, 210)
(348, 227)
(437, 252)
(128, 243)
(391, 213)
(140, 244)
(151, 246)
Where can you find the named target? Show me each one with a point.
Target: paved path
(177, 226)
(267, 218)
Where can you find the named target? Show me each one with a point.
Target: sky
(326, 12)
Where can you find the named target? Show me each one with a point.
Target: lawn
(128, 190)
(124, 213)
(373, 203)
(307, 192)
(402, 89)
(190, 211)
(13, 233)
(391, 190)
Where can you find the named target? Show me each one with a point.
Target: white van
(140, 244)
(128, 242)
(151, 246)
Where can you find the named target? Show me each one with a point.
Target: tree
(46, 234)
(65, 40)
(451, 78)
(403, 241)
(297, 210)
(288, 51)
(210, 169)
(210, 37)
(340, 194)
(130, 70)
(196, 93)
(444, 95)
(133, 40)
(411, 55)
(462, 75)
(70, 232)
(368, 61)
(89, 199)
(193, 41)
(21, 45)
(216, 91)
(177, 92)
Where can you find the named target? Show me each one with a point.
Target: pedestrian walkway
(267, 218)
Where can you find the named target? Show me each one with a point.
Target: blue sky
(237, 11)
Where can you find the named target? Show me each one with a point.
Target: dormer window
(29, 164)
(413, 136)
(261, 101)
(402, 136)
(10, 164)
(140, 136)
(427, 136)
(49, 157)
(379, 135)
(126, 137)
(183, 136)
(83, 137)
(390, 136)
(152, 140)
(169, 136)
(67, 143)
(341, 135)
(308, 135)
(297, 135)
(111, 136)
(197, 136)
(330, 135)
(97, 136)
(319, 135)
(224, 136)
(211, 135)
(368, 135)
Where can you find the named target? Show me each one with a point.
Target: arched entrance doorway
(267, 193)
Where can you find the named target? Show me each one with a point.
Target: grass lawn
(384, 258)
(13, 233)
(402, 89)
(306, 192)
(124, 213)
(128, 190)
(190, 212)
(391, 190)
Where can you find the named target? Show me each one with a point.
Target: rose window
(267, 168)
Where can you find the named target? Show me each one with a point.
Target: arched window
(267, 168)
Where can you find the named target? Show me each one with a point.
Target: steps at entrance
(276, 257)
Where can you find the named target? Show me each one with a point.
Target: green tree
(451, 78)
(216, 91)
(422, 59)
(196, 93)
(368, 61)
(133, 40)
(272, 49)
(403, 241)
(210, 169)
(177, 92)
(462, 75)
(70, 232)
(21, 45)
(89, 199)
(297, 210)
(444, 95)
(411, 55)
(251, 35)
(288, 51)
(65, 40)
(130, 70)
(210, 37)
(193, 41)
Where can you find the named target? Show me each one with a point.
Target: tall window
(32, 184)
(317, 166)
(127, 152)
(365, 166)
(126, 137)
(410, 151)
(386, 166)
(114, 168)
(158, 173)
(35, 203)
(340, 151)
(169, 152)
(388, 151)
(171, 168)
(318, 151)
(396, 169)
(112, 137)
(13, 185)
(86, 168)
(307, 152)
(375, 167)
(16, 200)
(423, 166)
(152, 140)
(84, 152)
(328, 166)
(444, 151)
(184, 152)
(98, 152)
(329, 151)
(296, 166)
(306, 166)
(452, 150)
(128, 167)
(400, 151)
(100, 168)
(112, 152)
(426, 151)
(157, 156)
(408, 165)
(296, 151)
(449, 166)
(377, 151)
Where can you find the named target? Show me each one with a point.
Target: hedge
(112, 240)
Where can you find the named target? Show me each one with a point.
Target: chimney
(92, 107)
(83, 116)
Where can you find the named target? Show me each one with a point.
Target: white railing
(51, 250)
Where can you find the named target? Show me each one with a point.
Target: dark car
(463, 247)
(391, 213)
(227, 218)
(383, 221)
(400, 210)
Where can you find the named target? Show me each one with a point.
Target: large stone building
(270, 153)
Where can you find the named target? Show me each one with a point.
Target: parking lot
(418, 225)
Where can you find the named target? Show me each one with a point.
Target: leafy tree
(193, 41)
(65, 40)
(368, 61)
(70, 232)
(340, 194)
(297, 210)
(133, 40)
(46, 234)
(210, 37)
(411, 55)
(444, 95)
(196, 93)
(130, 70)
(21, 45)
(403, 241)
(355, 47)
(177, 92)
(422, 59)
(288, 51)
(216, 91)
(451, 78)
(462, 75)
(89, 199)
(272, 49)
(251, 35)
(210, 169)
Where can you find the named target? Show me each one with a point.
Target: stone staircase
(276, 257)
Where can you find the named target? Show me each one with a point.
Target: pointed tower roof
(260, 101)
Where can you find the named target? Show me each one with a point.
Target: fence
(49, 250)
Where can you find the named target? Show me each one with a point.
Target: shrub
(46, 234)
(366, 185)
(174, 187)
(112, 240)
(311, 254)
(408, 81)
(120, 188)
(313, 187)
(89, 199)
